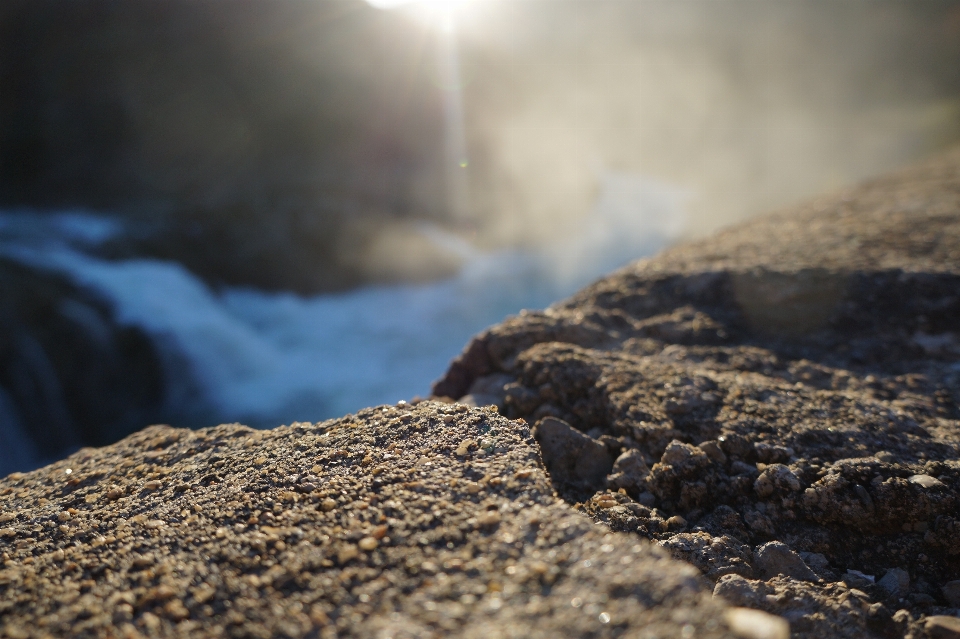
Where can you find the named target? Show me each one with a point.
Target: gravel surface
(405, 521)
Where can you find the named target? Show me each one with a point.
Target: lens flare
(444, 15)
(431, 5)
(439, 13)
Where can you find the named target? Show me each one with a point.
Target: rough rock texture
(784, 397)
(776, 406)
(569, 452)
(409, 521)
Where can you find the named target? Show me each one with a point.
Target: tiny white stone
(755, 624)
(925, 481)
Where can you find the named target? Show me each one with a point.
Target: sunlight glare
(438, 12)
(444, 15)
(426, 4)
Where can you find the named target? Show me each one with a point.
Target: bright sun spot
(430, 6)
(442, 14)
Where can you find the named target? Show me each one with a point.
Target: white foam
(268, 358)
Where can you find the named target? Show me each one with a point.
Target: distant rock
(70, 376)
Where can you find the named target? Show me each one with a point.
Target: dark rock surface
(69, 374)
(789, 389)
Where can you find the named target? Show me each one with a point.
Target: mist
(270, 212)
(745, 105)
(314, 137)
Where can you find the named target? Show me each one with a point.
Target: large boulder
(792, 389)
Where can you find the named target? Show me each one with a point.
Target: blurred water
(265, 358)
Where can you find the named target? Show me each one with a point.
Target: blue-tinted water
(266, 358)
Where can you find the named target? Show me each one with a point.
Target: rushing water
(265, 358)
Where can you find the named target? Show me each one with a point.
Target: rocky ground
(776, 407)
(422, 520)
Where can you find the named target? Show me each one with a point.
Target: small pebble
(776, 558)
(713, 451)
(754, 624)
(490, 518)
(153, 484)
(328, 504)
(606, 501)
(176, 610)
(926, 481)
(347, 553)
(368, 544)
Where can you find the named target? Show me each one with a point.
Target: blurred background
(268, 212)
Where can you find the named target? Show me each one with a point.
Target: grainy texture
(409, 521)
(794, 380)
(779, 405)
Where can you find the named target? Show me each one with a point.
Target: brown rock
(942, 627)
(754, 624)
(571, 456)
(776, 558)
(629, 472)
(437, 557)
